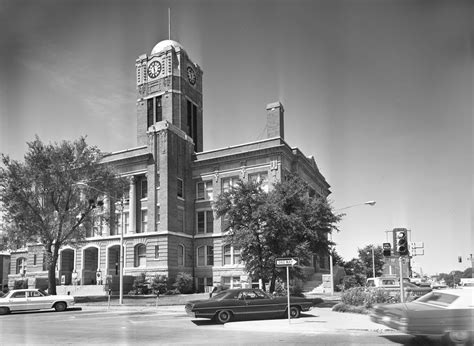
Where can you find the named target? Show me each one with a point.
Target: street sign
(417, 245)
(285, 262)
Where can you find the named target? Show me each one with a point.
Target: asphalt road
(150, 327)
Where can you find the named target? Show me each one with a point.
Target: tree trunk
(52, 270)
(272, 281)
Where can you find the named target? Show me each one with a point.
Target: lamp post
(373, 262)
(121, 236)
(331, 270)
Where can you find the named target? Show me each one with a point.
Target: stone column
(132, 208)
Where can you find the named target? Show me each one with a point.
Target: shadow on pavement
(409, 340)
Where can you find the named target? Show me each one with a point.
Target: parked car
(415, 290)
(243, 303)
(33, 299)
(392, 285)
(447, 313)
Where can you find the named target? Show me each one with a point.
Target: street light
(80, 183)
(355, 205)
(371, 203)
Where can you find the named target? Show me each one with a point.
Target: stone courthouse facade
(168, 223)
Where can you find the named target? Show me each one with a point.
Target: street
(79, 327)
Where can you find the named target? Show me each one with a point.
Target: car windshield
(438, 298)
(2, 294)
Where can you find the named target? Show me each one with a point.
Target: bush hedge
(366, 298)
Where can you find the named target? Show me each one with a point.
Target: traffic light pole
(402, 296)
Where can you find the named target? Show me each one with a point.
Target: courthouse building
(168, 222)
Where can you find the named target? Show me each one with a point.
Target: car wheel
(224, 316)
(459, 336)
(295, 312)
(4, 311)
(60, 306)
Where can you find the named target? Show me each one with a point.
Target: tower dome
(160, 46)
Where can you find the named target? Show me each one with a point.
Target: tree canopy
(288, 221)
(43, 201)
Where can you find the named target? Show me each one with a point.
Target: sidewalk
(319, 319)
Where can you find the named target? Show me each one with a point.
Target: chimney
(275, 123)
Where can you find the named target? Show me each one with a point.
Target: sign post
(287, 262)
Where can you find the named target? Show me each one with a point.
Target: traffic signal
(387, 249)
(402, 242)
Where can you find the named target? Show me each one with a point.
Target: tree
(355, 269)
(467, 273)
(451, 279)
(336, 258)
(365, 256)
(42, 201)
(289, 221)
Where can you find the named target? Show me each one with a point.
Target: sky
(378, 91)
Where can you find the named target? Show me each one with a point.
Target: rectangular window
(192, 128)
(228, 183)
(205, 256)
(189, 119)
(180, 188)
(227, 255)
(237, 259)
(34, 259)
(195, 129)
(149, 112)
(205, 221)
(261, 178)
(210, 255)
(181, 255)
(158, 109)
(204, 190)
(144, 222)
(157, 251)
(231, 281)
(201, 256)
(143, 188)
(201, 222)
(209, 221)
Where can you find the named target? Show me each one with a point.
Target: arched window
(181, 255)
(21, 265)
(140, 255)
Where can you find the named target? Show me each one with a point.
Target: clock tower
(169, 90)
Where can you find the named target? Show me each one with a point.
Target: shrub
(342, 307)
(140, 285)
(184, 283)
(368, 297)
(296, 291)
(159, 284)
(354, 296)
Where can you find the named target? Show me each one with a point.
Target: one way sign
(286, 262)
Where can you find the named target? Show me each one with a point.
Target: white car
(33, 299)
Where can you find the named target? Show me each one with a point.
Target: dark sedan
(244, 303)
(447, 313)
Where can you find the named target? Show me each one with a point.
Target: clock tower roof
(160, 46)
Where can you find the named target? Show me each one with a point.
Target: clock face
(191, 75)
(154, 69)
